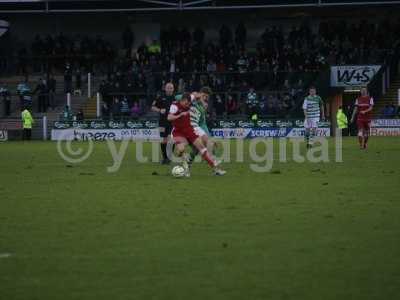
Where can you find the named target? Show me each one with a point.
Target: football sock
(207, 157)
(193, 155)
(307, 136)
(164, 150)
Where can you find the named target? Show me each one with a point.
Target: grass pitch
(302, 231)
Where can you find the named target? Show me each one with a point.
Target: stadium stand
(278, 65)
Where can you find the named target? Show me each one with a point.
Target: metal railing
(42, 102)
(178, 5)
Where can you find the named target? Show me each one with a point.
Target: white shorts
(199, 131)
(311, 123)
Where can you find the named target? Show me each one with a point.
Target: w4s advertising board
(353, 76)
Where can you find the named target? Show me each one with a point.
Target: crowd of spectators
(267, 78)
(277, 68)
(390, 111)
(44, 91)
(298, 48)
(50, 53)
(245, 101)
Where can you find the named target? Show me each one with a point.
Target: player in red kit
(183, 133)
(362, 109)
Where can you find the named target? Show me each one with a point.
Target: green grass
(302, 231)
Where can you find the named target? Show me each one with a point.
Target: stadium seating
(279, 64)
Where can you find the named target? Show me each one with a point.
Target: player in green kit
(198, 112)
(313, 107)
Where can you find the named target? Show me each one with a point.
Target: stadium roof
(18, 6)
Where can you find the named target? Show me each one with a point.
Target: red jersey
(183, 122)
(364, 103)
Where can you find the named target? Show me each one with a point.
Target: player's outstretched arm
(172, 117)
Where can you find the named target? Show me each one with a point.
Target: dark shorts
(165, 130)
(363, 124)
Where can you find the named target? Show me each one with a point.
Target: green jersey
(198, 116)
(312, 106)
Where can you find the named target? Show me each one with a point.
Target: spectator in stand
(198, 36)
(211, 67)
(116, 109)
(272, 104)
(66, 114)
(225, 36)
(392, 111)
(181, 86)
(232, 105)
(142, 50)
(242, 64)
(22, 90)
(154, 48)
(185, 37)
(80, 117)
(37, 52)
(128, 39)
(252, 105)
(124, 106)
(387, 112)
(221, 67)
(27, 100)
(286, 102)
(22, 61)
(243, 88)
(263, 105)
(219, 105)
(219, 84)
(241, 35)
(172, 66)
(42, 91)
(104, 90)
(6, 97)
(135, 110)
(105, 112)
(51, 85)
(286, 86)
(68, 78)
(78, 82)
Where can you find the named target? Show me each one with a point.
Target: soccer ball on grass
(178, 171)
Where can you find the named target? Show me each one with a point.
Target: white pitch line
(5, 255)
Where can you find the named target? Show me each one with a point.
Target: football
(178, 171)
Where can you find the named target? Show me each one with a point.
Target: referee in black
(161, 106)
